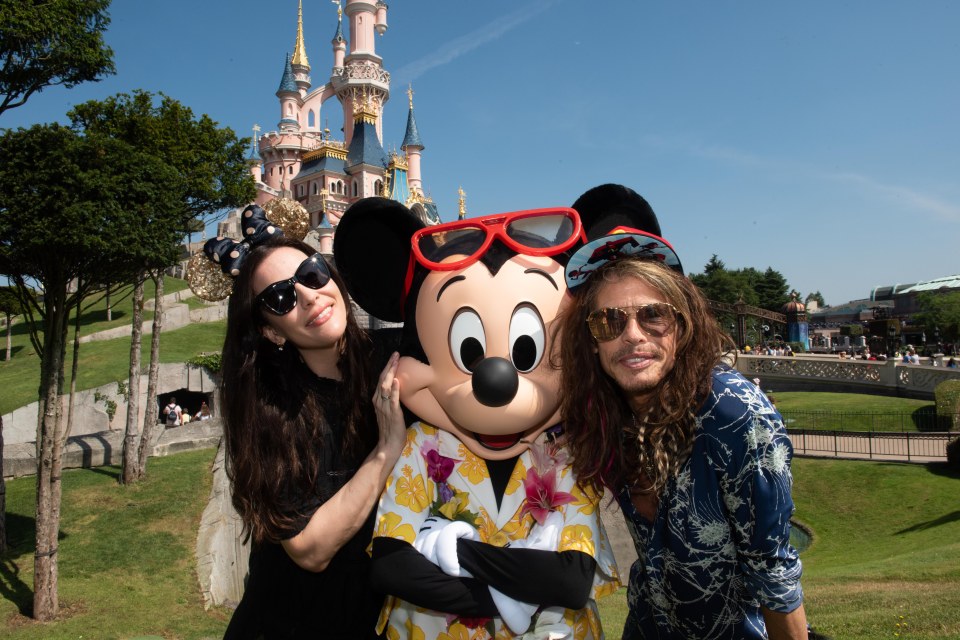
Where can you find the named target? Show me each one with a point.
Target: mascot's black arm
(547, 578)
(402, 571)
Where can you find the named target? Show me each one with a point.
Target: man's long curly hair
(610, 445)
(273, 422)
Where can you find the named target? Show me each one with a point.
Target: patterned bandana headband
(210, 273)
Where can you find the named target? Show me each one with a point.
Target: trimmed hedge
(947, 395)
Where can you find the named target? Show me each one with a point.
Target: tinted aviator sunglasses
(281, 297)
(655, 319)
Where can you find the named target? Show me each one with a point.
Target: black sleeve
(548, 578)
(402, 571)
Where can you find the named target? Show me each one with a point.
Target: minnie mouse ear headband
(619, 223)
(210, 274)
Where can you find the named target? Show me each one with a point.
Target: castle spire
(299, 50)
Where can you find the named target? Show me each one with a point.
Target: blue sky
(818, 138)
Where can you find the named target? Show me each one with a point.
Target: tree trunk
(150, 411)
(73, 374)
(3, 498)
(49, 449)
(128, 472)
(109, 308)
(9, 336)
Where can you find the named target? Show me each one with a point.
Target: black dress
(282, 600)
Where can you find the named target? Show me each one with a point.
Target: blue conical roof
(412, 136)
(287, 82)
(338, 36)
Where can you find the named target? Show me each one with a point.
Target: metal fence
(924, 420)
(873, 445)
(920, 436)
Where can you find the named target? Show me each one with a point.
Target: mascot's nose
(495, 382)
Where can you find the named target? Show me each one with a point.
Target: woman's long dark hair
(274, 426)
(610, 446)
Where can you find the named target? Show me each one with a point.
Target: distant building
(304, 161)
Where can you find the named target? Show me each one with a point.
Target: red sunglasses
(536, 232)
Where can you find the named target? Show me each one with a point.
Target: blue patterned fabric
(720, 545)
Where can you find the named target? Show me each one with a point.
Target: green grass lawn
(127, 565)
(93, 316)
(853, 411)
(105, 361)
(887, 544)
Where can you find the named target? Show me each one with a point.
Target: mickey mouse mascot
(482, 530)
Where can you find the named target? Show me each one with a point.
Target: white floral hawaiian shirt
(406, 502)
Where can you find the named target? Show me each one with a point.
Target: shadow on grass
(110, 472)
(926, 419)
(930, 524)
(21, 534)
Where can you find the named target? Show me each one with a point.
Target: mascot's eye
(526, 338)
(468, 344)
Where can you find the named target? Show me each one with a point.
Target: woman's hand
(386, 402)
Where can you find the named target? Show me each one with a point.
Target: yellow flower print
(389, 526)
(413, 632)
(518, 528)
(472, 467)
(585, 501)
(409, 444)
(605, 589)
(487, 528)
(456, 631)
(410, 491)
(516, 478)
(577, 537)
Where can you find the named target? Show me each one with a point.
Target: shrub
(209, 361)
(947, 395)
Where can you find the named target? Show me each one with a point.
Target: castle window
(316, 188)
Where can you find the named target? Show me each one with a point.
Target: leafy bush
(210, 361)
(947, 395)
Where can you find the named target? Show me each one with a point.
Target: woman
(305, 456)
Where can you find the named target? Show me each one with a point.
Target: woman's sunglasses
(537, 232)
(281, 297)
(656, 319)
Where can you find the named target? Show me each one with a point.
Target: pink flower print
(439, 467)
(542, 494)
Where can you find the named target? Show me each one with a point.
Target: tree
(45, 43)
(940, 310)
(73, 209)
(772, 290)
(9, 307)
(214, 175)
(816, 295)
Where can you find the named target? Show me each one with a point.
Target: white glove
(550, 626)
(426, 540)
(447, 547)
(515, 614)
(543, 537)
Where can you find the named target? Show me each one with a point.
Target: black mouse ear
(371, 248)
(609, 206)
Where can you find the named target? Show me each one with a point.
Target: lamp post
(891, 334)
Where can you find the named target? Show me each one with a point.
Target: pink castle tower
(301, 160)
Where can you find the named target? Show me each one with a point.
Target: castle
(303, 162)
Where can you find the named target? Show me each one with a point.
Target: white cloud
(473, 40)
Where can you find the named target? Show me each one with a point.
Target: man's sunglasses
(281, 297)
(537, 232)
(656, 319)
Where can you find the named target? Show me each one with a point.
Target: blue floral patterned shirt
(719, 547)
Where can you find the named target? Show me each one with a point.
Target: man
(697, 455)
(172, 413)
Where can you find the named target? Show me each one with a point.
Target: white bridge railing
(868, 376)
